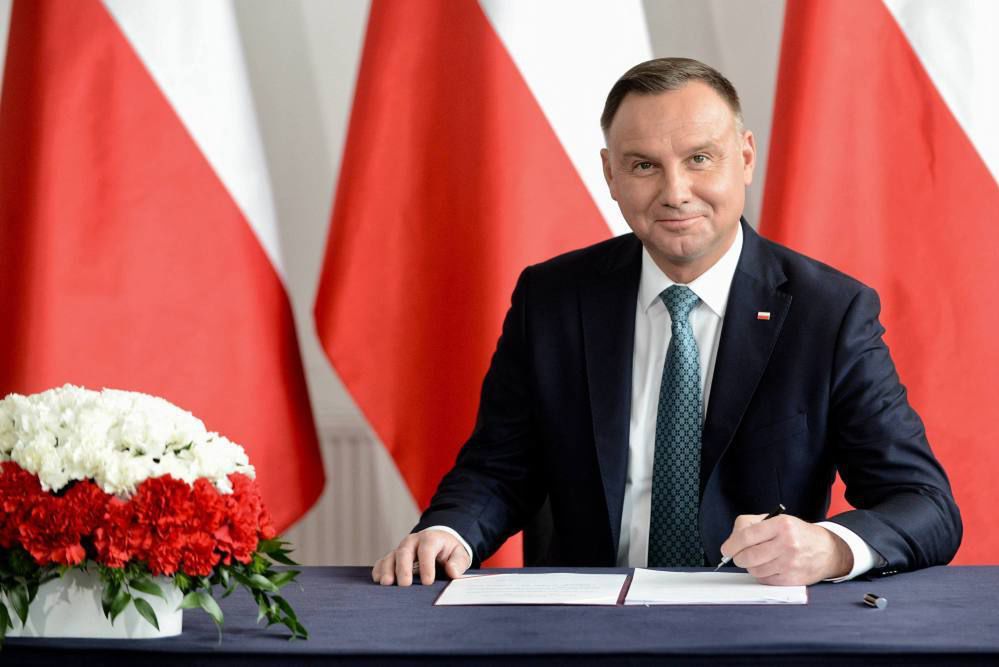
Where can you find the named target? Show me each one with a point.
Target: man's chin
(683, 252)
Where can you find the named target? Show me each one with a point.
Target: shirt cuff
(461, 539)
(864, 557)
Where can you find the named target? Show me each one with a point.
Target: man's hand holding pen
(783, 550)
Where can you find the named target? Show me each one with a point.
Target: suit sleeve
(495, 484)
(905, 509)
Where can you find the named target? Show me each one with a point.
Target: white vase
(70, 606)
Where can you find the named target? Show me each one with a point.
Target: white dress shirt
(652, 335)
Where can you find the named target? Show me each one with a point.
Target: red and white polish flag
(138, 241)
(473, 151)
(884, 163)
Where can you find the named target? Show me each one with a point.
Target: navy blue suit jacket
(794, 398)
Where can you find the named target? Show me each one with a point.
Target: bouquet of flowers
(135, 487)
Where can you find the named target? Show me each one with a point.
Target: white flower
(119, 439)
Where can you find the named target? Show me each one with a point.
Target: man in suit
(664, 390)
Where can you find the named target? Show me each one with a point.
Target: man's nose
(675, 188)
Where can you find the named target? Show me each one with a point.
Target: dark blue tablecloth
(945, 615)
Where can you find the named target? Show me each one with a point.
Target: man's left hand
(786, 551)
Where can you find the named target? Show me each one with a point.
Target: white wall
(302, 57)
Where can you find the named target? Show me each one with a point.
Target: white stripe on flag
(563, 50)
(175, 39)
(956, 43)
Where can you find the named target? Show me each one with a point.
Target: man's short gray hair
(665, 74)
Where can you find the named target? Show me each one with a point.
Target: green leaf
(148, 586)
(182, 581)
(146, 610)
(280, 579)
(18, 597)
(134, 570)
(290, 619)
(110, 592)
(224, 575)
(269, 546)
(21, 562)
(213, 609)
(242, 578)
(119, 603)
(261, 582)
(259, 564)
(5, 621)
(263, 607)
(190, 601)
(211, 606)
(280, 557)
(284, 606)
(297, 629)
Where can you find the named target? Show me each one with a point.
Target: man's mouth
(679, 223)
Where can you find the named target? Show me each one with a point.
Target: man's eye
(644, 166)
(699, 159)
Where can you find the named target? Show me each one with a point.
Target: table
(942, 616)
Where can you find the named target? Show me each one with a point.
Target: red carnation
(164, 504)
(119, 536)
(239, 535)
(249, 494)
(19, 492)
(199, 556)
(51, 532)
(87, 501)
(210, 507)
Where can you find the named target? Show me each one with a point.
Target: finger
(745, 520)
(769, 569)
(738, 540)
(758, 554)
(772, 580)
(457, 563)
(384, 570)
(404, 561)
(785, 579)
(429, 548)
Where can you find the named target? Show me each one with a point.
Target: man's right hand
(427, 548)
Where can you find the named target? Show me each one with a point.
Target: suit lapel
(746, 344)
(607, 306)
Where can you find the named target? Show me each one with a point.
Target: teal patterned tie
(674, 539)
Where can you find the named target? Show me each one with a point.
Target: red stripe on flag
(870, 172)
(124, 261)
(452, 182)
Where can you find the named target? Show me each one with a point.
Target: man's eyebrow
(710, 146)
(631, 155)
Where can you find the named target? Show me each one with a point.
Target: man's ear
(608, 174)
(748, 156)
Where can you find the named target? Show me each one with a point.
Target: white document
(551, 588)
(652, 587)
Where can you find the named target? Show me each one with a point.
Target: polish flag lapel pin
(763, 315)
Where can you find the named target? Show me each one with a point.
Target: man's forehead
(675, 138)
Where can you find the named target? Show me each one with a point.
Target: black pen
(777, 512)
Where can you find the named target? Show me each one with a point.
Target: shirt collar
(711, 287)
